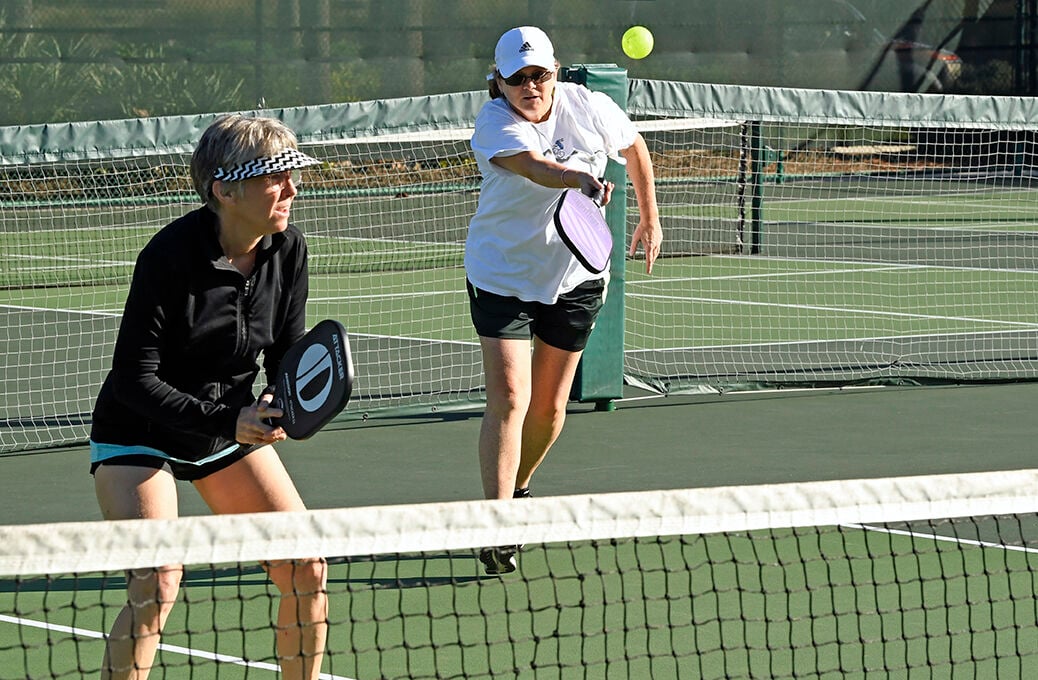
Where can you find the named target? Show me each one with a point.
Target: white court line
(938, 537)
(630, 293)
(173, 649)
(87, 312)
(777, 275)
(793, 344)
(990, 229)
(383, 296)
(73, 260)
(845, 310)
(428, 341)
(116, 314)
(852, 267)
(403, 242)
(967, 198)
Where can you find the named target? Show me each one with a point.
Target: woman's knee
(157, 587)
(544, 408)
(299, 577)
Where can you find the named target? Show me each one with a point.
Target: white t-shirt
(513, 247)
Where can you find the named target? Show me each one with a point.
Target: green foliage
(148, 83)
(352, 82)
(353, 79)
(96, 59)
(43, 79)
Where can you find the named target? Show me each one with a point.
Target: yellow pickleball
(637, 42)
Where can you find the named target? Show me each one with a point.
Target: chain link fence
(63, 60)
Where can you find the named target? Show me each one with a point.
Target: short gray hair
(233, 140)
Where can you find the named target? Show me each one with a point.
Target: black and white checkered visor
(286, 159)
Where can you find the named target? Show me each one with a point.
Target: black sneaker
(499, 560)
(522, 493)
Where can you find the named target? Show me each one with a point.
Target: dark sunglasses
(537, 77)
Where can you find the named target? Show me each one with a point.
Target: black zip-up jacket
(188, 348)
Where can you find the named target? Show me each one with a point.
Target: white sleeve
(616, 128)
(498, 133)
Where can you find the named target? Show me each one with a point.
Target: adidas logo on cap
(523, 46)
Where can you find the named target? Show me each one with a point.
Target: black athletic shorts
(144, 456)
(567, 324)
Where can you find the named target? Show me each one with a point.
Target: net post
(599, 377)
(757, 161)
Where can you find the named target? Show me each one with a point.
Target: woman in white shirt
(534, 139)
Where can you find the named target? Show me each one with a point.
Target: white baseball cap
(521, 47)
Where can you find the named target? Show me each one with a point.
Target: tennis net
(385, 217)
(811, 238)
(901, 577)
(881, 238)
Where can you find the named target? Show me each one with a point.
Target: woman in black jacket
(211, 291)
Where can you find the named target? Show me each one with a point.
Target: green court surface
(724, 314)
(923, 274)
(647, 443)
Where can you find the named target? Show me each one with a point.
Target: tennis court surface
(827, 254)
(850, 551)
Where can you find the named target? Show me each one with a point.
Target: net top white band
(286, 159)
(77, 547)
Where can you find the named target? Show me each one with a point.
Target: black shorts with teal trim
(145, 456)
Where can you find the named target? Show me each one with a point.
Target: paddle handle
(596, 195)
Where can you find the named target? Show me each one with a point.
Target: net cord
(81, 547)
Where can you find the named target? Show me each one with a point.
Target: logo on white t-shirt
(559, 151)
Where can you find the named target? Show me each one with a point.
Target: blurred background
(64, 60)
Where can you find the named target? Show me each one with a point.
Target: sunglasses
(537, 77)
(280, 178)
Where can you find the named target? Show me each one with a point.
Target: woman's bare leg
(129, 492)
(259, 483)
